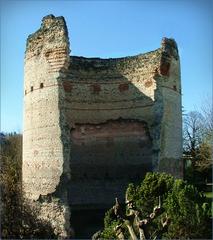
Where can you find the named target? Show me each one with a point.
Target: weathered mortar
(92, 125)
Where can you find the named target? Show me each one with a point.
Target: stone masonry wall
(93, 125)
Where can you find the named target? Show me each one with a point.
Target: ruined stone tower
(93, 125)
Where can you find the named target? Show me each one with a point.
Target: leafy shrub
(188, 209)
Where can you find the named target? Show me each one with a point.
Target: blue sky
(109, 29)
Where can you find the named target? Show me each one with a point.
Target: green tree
(146, 194)
(18, 220)
(160, 207)
(189, 211)
(10, 180)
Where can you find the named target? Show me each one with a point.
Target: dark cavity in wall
(86, 222)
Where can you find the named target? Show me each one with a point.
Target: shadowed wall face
(105, 158)
(109, 104)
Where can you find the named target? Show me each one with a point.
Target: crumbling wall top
(169, 47)
(52, 33)
(115, 64)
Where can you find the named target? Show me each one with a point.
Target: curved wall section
(101, 89)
